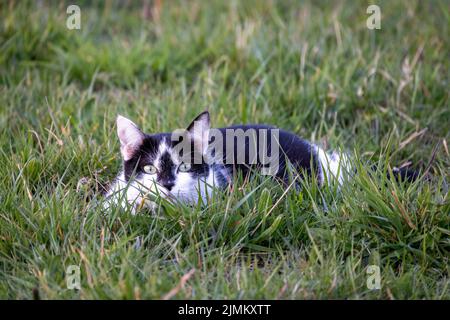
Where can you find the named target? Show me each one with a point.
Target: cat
(187, 165)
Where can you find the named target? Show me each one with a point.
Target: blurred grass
(311, 67)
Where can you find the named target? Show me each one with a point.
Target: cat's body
(153, 166)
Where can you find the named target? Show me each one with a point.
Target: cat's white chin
(137, 195)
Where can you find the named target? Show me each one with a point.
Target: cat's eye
(150, 169)
(184, 167)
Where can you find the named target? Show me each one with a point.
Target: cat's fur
(134, 186)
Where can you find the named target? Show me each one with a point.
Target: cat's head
(155, 165)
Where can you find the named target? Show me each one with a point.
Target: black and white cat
(156, 165)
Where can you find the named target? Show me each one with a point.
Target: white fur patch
(333, 165)
(162, 148)
(137, 192)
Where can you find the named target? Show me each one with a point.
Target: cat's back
(284, 143)
(285, 139)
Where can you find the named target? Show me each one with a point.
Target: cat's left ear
(199, 130)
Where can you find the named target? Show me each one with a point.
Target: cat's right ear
(130, 136)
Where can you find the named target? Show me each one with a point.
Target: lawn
(311, 67)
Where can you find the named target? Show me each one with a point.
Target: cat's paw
(145, 205)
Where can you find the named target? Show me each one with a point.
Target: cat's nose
(168, 185)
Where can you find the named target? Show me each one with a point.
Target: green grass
(312, 68)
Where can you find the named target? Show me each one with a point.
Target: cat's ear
(199, 131)
(130, 136)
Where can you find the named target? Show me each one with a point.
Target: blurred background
(293, 63)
